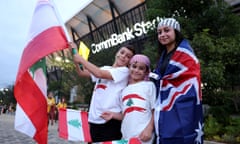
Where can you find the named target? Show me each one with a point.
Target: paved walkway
(8, 135)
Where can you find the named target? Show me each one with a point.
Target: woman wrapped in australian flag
(178, 112)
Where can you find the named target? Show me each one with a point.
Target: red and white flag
(130, 141)
(45, 36)
(73, 125)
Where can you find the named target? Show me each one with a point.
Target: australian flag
(178, 112)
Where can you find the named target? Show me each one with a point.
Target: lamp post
(60, 73)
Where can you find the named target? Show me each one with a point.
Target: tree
(65, 78)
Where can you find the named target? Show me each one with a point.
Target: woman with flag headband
(178, 113)
(110, 80)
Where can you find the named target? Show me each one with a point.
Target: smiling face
(138, 71)
(167, 36)
(123, 57)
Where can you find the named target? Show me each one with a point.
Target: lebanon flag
(73, 125)
(45, 36)
(130, 141)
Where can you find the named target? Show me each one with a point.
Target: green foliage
(74, 106)
(212, 69)
(228, 132)
(196, 15)
(211, 127)
(67, 79)
(53, 86)
(220, 113)
(150, 50)
(85, 87)
(219, 59)
(233, 128)
(105, 57)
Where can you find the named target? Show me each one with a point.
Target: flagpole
(63, 26)
(60, 20)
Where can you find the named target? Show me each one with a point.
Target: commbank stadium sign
(137, 30)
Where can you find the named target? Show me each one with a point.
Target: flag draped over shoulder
(73, 125)
(180, 99)
(45, 36)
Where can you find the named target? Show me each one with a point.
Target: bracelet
(74, 51)
(81, 66)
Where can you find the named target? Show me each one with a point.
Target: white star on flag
(199, 133)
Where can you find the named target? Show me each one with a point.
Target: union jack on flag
(178, 113)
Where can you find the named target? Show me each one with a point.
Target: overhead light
(58, 58)
(67, 60)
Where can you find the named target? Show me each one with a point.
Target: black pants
(106, 132)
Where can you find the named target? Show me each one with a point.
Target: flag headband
(170, 22)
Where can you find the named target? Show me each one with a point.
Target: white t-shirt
(138, 101)
(106, 93)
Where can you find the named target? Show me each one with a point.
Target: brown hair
(130, 47)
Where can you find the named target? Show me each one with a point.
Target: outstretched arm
(91, 68)
(82, 72)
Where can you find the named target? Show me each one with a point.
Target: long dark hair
(179, 38)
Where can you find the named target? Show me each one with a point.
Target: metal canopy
(97, 13)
